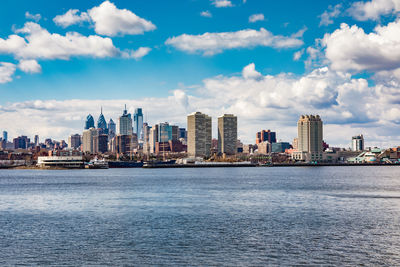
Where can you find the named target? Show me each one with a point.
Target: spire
(101, 110)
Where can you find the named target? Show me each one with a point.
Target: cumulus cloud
(372, 10)
(332, 12)
(206, 14)
(29, 66)
(111, 21)
(214, 43)
(351, 49)
(136, 54)
(6, 72)
(256, 17)
(348, 106)
(71, 17)
(35, 17)
(108, 20)
(40, 44)
(222, 3)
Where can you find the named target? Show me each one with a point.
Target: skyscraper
(227, 134)
(5, 136)
(124, 126)
(36, 140)
(74, 141)
(138, 123)
(357, 143)
(111, 129)
(153, 138)
(199, 134)
(266, 135)
(88, 140)
(89, 123)
(101, 123)
(309, 129)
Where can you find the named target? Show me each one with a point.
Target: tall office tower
(36, 142)
(227, 134)
(101, 123)
(309, 129)
(138, 123)
(266, 135)
(357, 143)
(5, 136)
(146, 138)
(153, 138)
(174, 132)
(182, 133)
(112, 129)
(100, 142)
(124, 126)
(74, 141)
(164, 132)
(88, 140)
(21, 142)
(89, 123)
(199, 134)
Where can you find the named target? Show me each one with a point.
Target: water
(217, 216)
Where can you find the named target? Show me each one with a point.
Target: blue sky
(189, 59)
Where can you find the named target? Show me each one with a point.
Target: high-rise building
(21, 142)
(227, 134)
(74, 141)
(112, 129)
(5, 136)
(309, 129)
(89, 123)
(124, 126)
(146, 138)
(36, 142)
(100, 143)
(153, 138)
(182, 133)
(266, 135)
(89, 139)
(138, 123)
(164, 132)
(101, 123)
(199, 134)
(357, 143)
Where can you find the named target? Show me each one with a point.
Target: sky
(268, 62)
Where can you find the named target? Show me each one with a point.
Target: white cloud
(351, 49)
(222, 3)
(214, 43)
(256, 17)
(40, 44)
(6, 72)
(206, 14)
(372, 10)
(297, 55)
(332, 12)
(111, 21)
(71, 17)
(29, 66)
(35, 17)
(136, 54)
(348, 106)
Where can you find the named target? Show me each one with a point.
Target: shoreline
(211, 165)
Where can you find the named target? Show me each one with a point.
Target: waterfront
(210, 216)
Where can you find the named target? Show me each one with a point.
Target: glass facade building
(138, 123)
(89, 123)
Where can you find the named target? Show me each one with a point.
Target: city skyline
(294, 63)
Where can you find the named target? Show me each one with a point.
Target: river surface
(201, 217)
